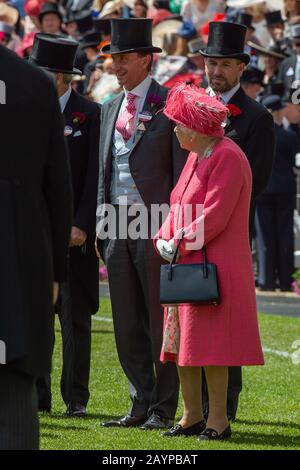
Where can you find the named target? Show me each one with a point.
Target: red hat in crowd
(33, 7)
(191, 107)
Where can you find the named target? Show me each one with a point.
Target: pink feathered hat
(191, 107)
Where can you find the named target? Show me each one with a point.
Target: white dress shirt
(225, 97)
(141, 92)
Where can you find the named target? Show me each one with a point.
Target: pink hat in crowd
(26, 43)
(191, 107)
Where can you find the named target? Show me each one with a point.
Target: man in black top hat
(252, 82)
(250, 126)
(140, 162)
(90, 43)
(275, 207)
(79, 297)
(35, 204)
(275, 27)
(50, 19)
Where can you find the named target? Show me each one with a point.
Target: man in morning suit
(36, 207)
(250, 125)
(80, 295)
(140, 161)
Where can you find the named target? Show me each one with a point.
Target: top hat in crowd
(130, 35)
(102, 25)
(273, 17)
(162, 4)
(54, 53)
(245, 19)
(194, 47)
(82, 18)
(226, 40)
(253, 75)
(273, 103)
(91, 39)
(50, 8)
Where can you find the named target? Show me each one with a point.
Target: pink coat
(224, 335)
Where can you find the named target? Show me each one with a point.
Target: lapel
(154, 89)
(238, 100)
(112, 114)
(70, 108)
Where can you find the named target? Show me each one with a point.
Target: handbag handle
(173, 261)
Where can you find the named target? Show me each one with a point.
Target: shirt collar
(226, 97)
(142, 89)
(64, 99)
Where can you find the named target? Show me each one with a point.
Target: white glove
(166, 249)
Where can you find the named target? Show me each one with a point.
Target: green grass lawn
(269, 412)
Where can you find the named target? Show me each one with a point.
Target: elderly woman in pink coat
(216, 178)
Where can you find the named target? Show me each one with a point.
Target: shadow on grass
(97, 416)
(265, 440)
(67, 427)
(277, 424)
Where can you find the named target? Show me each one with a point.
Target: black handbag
(182, 284)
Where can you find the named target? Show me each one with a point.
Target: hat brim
(115, 50)
(49, 69)
(242, 56)
(265, 51)
(89, 44)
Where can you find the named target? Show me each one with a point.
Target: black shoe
(127, 421)
(157, 422)
(75, 409)
(210, 434)
(193, 430)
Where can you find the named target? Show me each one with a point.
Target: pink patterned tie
(125, 121)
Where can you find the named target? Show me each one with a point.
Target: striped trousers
(19, 428)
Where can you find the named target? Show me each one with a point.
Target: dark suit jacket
(253, 131)
(283, 177)
(156, 159)
(36, 212)
(83, 146)
(285, 75)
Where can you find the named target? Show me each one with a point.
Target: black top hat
(130, 35)
(103, 25)
(91, 39)
(50, 8)
(162, 4)
(54, 53)
(83, 18)
(245, 19)
(273, 17)
(273, 102)
(252, 75)
(226, 40)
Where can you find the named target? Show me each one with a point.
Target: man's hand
(55, 292)
(78, 237)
